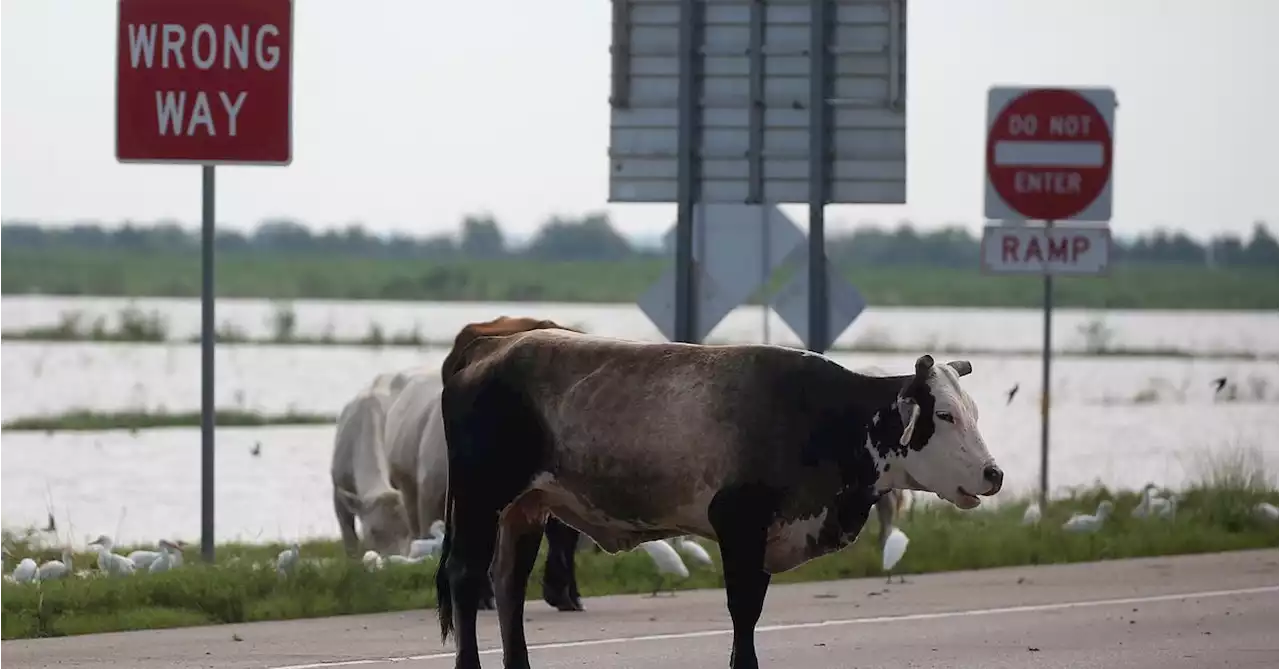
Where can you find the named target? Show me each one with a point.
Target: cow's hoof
(562, 602)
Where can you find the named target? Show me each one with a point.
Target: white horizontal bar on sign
(739, 14)
(775, 67)
(791, 14)
(666, 167)
(1011, 153)
(645, 14)
(867, 144)
(651, 39)
(795, 192)
(774, 118)
(871, 38)
(737, 36)
(730, 92)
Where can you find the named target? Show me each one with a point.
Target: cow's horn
(924, 365)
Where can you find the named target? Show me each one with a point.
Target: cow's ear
(910, 427)
(962, 367)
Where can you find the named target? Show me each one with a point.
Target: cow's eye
(944, 415)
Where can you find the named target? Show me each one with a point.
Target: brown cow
(776, 454)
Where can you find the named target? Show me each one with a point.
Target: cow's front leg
(409, 494)
(518, 543)
(347, 524)
(741, 519)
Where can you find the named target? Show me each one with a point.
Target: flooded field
(933, 327)
(1116, 420)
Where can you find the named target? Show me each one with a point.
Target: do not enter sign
(1049, 154)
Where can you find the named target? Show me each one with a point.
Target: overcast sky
(409, 114)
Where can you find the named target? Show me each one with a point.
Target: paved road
(1196, 612)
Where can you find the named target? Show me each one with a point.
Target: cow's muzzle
(994, 477)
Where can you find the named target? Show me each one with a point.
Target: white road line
(1030, 608)
(1013, 153)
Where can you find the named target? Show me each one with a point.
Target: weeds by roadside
(1213, 515)
(140, 420)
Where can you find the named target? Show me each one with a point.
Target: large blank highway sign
(754, 101)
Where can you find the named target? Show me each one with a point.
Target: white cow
(361, 485)
(417, 457)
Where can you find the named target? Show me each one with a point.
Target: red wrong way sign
(1049, 154)
(204, 81)
(1062, 249)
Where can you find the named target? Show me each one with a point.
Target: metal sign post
(208, 407)
(1046, 358)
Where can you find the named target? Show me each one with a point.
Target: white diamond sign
(736, 248)
(844, 304)
(731, 242)
(713, 303)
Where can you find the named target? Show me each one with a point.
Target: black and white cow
(777, 454)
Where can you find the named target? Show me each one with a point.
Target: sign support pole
(819, 330)
(688, 162)
(1045, 359)
(207, 331)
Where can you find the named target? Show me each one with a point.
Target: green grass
(141, 420)
(1212, 516)
(315, 276)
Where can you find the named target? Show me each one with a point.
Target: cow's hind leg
(519, 537)
(559, 584)
(740, 517)
(494, 452)
(466, 567)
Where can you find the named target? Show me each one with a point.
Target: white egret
(895, 545)
(108, 562)
(668, 562)
(372, 561)
(175, 553)
(1266, 510)
(26, 571)
(142, 559)
(287, 559)
(1032, 515)
(1083, 522)
(693, 549)
(1151, 505)
(430, 546)
(165, 562)
(55, 569)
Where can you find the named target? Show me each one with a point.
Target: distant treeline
(593, 238)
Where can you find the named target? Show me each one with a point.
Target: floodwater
(1115, 420)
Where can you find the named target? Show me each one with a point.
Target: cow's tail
(444, 599)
